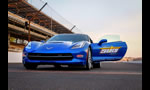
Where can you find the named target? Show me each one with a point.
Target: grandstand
(41, 27)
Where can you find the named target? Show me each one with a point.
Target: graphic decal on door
(107, 50)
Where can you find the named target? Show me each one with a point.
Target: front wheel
(30, 66)
(89, 64)
(97, 65)
(57, 66)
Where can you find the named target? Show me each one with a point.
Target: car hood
(52, 46)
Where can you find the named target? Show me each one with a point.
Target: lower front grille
(48, 56)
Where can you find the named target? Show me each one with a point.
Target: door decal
(107, 50)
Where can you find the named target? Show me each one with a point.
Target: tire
(89, 64)
(97, 65)
(57, 66)
(30, 66)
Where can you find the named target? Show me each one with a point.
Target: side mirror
(42, 41)
(102, 41)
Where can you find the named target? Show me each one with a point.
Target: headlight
(28, 46)
(78, 45)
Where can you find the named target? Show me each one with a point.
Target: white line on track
(78, 72)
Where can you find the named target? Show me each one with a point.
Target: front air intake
(48, 56)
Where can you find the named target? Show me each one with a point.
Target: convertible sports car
(72, 49)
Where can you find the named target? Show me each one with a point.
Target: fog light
(79, 56)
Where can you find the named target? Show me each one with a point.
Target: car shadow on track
(62, 68)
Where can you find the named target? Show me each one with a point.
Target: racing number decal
(107, 50)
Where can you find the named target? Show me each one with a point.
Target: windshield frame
(69, 35)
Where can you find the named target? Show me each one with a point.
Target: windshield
(69, 37)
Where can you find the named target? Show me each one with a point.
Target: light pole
(29, 36)
(72, 27)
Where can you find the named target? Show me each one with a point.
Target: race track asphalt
(112, 76)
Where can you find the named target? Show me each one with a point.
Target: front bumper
(74, 61)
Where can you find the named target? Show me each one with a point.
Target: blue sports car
(72, 50)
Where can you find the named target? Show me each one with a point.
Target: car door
(108, 51)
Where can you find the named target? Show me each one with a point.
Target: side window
(91, 41)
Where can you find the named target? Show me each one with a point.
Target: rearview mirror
(102, 41)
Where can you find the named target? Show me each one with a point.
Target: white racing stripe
(78, 72)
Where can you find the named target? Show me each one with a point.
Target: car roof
(71, 34)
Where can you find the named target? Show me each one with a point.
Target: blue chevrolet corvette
(72, 50)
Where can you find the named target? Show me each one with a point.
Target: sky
(105, 17)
